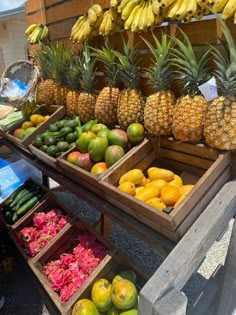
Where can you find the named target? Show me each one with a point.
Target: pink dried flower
(27, 235)
(40, 219)
(51, 267)
(62, 222)
(67, 291)
(66, 259)
(58, 279)
(44, 239)
(50, 229)
(81, 279)
(54, 215)
(34, 248)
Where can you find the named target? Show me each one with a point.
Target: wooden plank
(105, 4)
(67, 10)
(48, 3)
(226, 299)
(37, 17)
(174, 302)
(32, 5)
(187, 254)
(61, 29)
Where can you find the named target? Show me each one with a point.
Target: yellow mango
(170, 194)
(135, 176)
(158, 182)
(157, 203)
(185, 189)
(138, 189)
(177, 181)
(160, 173)
(127, 187)
(148, 193)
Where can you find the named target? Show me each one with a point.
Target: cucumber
(28, 205)
(12, 197)
(26, 197)
(20, 195)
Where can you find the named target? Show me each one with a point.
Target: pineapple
(158, 111)
(72, 78)
(131, 102)
(220, 122)
(61, 60)
(87, 98)
(190, 110)
(107, 101)
(46, 87)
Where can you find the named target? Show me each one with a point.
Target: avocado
(71, 137)
(44, 148)
(52, 127)
(38, 141)
(62, 146)
(52, 150)
(60, 123)
(71, 123)
(49, 140)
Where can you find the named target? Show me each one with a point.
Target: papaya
(148, 193)
(124, 294)
(135, 176)
(177, 181)
(84, 307)
(101, 294)
(160, 173)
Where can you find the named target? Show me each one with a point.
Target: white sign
(209, 89)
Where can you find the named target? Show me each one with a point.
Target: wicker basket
(24, 71)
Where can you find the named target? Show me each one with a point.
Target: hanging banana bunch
(111, 22)
(87, 26)
(36, 33)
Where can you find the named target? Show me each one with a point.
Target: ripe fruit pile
(69, 271)
(160, 189)
(99, 147)
(117, 297)
(45, 226)
(29, 126)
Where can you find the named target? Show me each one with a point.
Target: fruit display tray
(49, 202)
(118, 263)
(55, 112)
(208, 169)
(65, 243)
(15, 225)
(84, 177)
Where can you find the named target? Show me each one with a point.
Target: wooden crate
(65, 243)
(118, 263)
(49, 202)
(47, 159)
(55, 112)
(15, 225)
(84, 177)
(208, 169)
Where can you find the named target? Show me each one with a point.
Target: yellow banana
(30, 29)
(142, 20)
(103, 23)
(130, 20)
(33, 37)
(98, 9)
(114, 3)
(158, 19)
(108, 25)
(44, 34)
(156, 7)
(77, 33)
(77, 26)
(184, 9)
(128, 9)
(135, 24)
(122, 5)
(167, 3)
(229, 9)
(98, 23)
(86, 31)
(171, 12)
(150, 15)
(92, 16)
(219, 5)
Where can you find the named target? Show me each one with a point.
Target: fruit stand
(163, 172)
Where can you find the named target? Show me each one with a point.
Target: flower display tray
(208, 169)
(55, 112)
(84, 177)
(49, 202)
(18, 222)
(65, 244)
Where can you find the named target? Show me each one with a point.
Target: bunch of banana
(87, 26)
(111, 22)
(114, 3)
(36, 33)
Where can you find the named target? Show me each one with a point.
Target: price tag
(209, 89)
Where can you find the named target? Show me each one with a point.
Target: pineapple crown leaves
(190, 71)
(225, 61)
(44, 58)
(73, 73)
(159, 73)
(128, 63)
(108, 58)
(87, 69)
